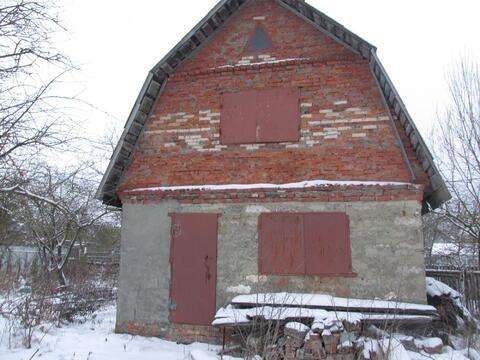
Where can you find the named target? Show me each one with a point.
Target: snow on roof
(438, 288)
(294, 185)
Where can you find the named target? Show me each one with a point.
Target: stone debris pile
(311, 327)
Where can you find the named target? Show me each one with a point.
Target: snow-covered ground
(95, 340)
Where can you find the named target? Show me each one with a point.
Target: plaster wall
(386, 247)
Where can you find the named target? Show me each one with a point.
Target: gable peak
(259, 40)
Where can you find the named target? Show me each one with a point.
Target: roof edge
(437, 193)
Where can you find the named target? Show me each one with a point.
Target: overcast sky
(118, 42)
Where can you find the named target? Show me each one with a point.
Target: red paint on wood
(304, 244)
(281, 248)
(278, 115)
(328, 243)
(193, 260)
(262, 116)
(238, 122)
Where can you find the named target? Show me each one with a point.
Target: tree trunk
(61, 275)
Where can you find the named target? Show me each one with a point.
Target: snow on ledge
(295, 185)
(276, 61)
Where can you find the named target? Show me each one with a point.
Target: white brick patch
(359, 135)
(174, 131)
(351, 121)
(362, 112)
(333, 114)
(331, 129)
(252, 146)
(326, 124)
(258, 18)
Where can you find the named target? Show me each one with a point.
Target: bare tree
(56, 212)
(31, 117)
(457, 145)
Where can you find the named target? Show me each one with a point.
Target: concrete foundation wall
(386, 246)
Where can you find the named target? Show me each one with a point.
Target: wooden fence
(465, 281)
(104, 258)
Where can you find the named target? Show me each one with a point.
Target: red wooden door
(193, 258)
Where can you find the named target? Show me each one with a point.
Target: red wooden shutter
(327, 242)
(304, 244)
(281, 250)
(238, 124)
(260, 116)
(278, 116)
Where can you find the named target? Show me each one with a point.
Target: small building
(268, 151)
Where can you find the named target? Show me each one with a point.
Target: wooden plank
(283, 315)
(200, 36)
(325, 302)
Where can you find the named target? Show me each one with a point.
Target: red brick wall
(325, 194)
(345, 130)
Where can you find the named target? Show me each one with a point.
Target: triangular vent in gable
(259, 40)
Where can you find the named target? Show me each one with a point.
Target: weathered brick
(327, 74)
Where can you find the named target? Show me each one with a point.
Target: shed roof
(435, 195)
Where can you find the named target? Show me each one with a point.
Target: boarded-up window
(259, 40)
(260, 116)
(304, 244)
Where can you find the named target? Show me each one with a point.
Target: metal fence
(466, 281)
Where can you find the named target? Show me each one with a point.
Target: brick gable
(346, 133)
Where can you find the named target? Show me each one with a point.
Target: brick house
(268, 150)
